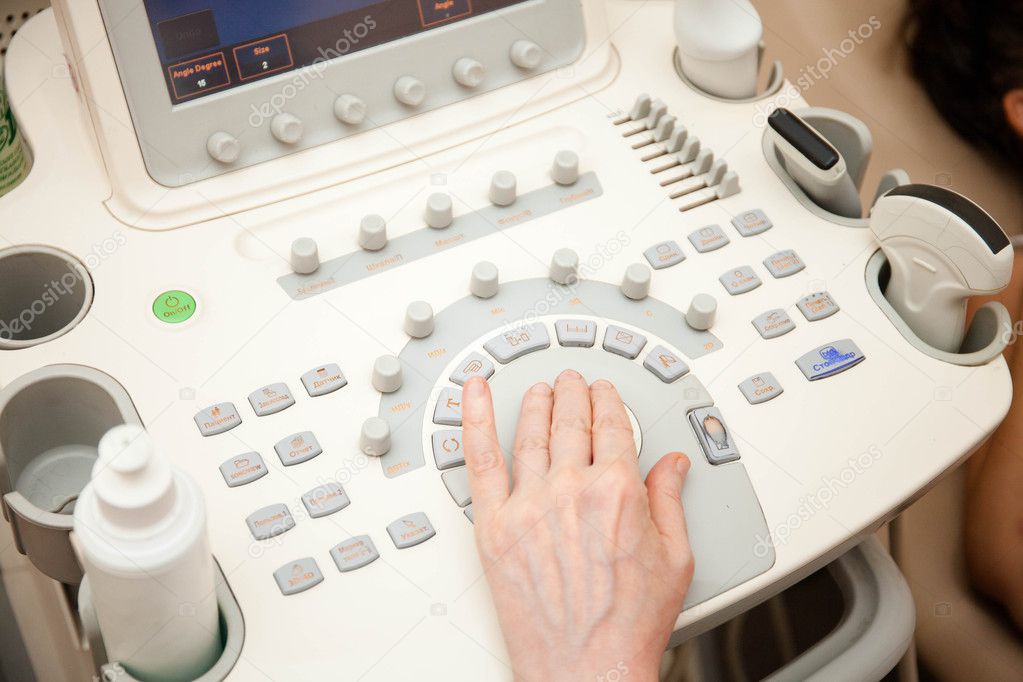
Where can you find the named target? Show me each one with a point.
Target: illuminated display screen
(208, 46)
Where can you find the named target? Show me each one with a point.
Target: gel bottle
(140, 532)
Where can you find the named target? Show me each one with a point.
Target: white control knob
(305, 256)
(565, 266)
(350, 109)
(485, 280)
(703, 311)
(469, 72)
(565, 170)
(223, 147)
(419, 319)
(375, 439)
(504, 188)
(387, 374)
(373, 233)
(287, 128)
(526, 54)
(636, 283)
(410, 91)
(439, 211)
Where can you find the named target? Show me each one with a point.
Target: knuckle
(532, 442)
(570, 424)
(483, 460)
(612, 423)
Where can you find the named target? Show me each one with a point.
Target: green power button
(174, 307)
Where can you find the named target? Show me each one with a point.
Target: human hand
(588, 567)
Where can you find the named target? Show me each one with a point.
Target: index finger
(484, 461)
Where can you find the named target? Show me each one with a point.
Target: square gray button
(774, 323)
(217, 419)
(740, 281)
(449, 408)
(271, 399)
(457, 483)
(411, 530)
(298, 576)
(666, 365)
(354, 553)
(830, 359)
(447, 449)
(713, 434)
(323, 380)
(752, 223)
(760, 388)
(817, 306)
(243, 469)
(784, 264)
(270, 521)
(512, 345)
(576, 333)
(475, 365)
(325, 500)
(709, 238)
(623, 342)
(298, 448)
(664, 255)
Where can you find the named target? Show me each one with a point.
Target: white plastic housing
(938, 261)
(719, 45)
(833, 189)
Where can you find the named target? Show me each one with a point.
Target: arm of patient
(994, 490)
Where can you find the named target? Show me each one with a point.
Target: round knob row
(351, 110)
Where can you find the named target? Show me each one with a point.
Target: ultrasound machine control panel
(300, 228)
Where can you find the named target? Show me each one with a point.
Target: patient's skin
(994, 491)
(588, 567)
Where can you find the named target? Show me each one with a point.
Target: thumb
(664, 488)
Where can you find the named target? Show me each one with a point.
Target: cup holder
(990, 330)
(46, 293)
(51, 422)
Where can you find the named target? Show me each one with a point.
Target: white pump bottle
(140, 532)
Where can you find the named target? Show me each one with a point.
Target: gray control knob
(410, 91)
(350, 109)
(387, 374)
(485, 281)
(419, 319)
(469, 72)
(565, 170)
(373, 233)
(702, 313)
(526, 54)
(287, 128)
(439, 211)
(223, 147)
(565, 266)
(504, 188)
(375, 439)
(636, 282)
(305, 256)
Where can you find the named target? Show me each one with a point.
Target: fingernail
(682, 464)
(602, 384)
(569, 374)
(541, 388)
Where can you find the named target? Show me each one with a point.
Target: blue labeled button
(830, 359)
